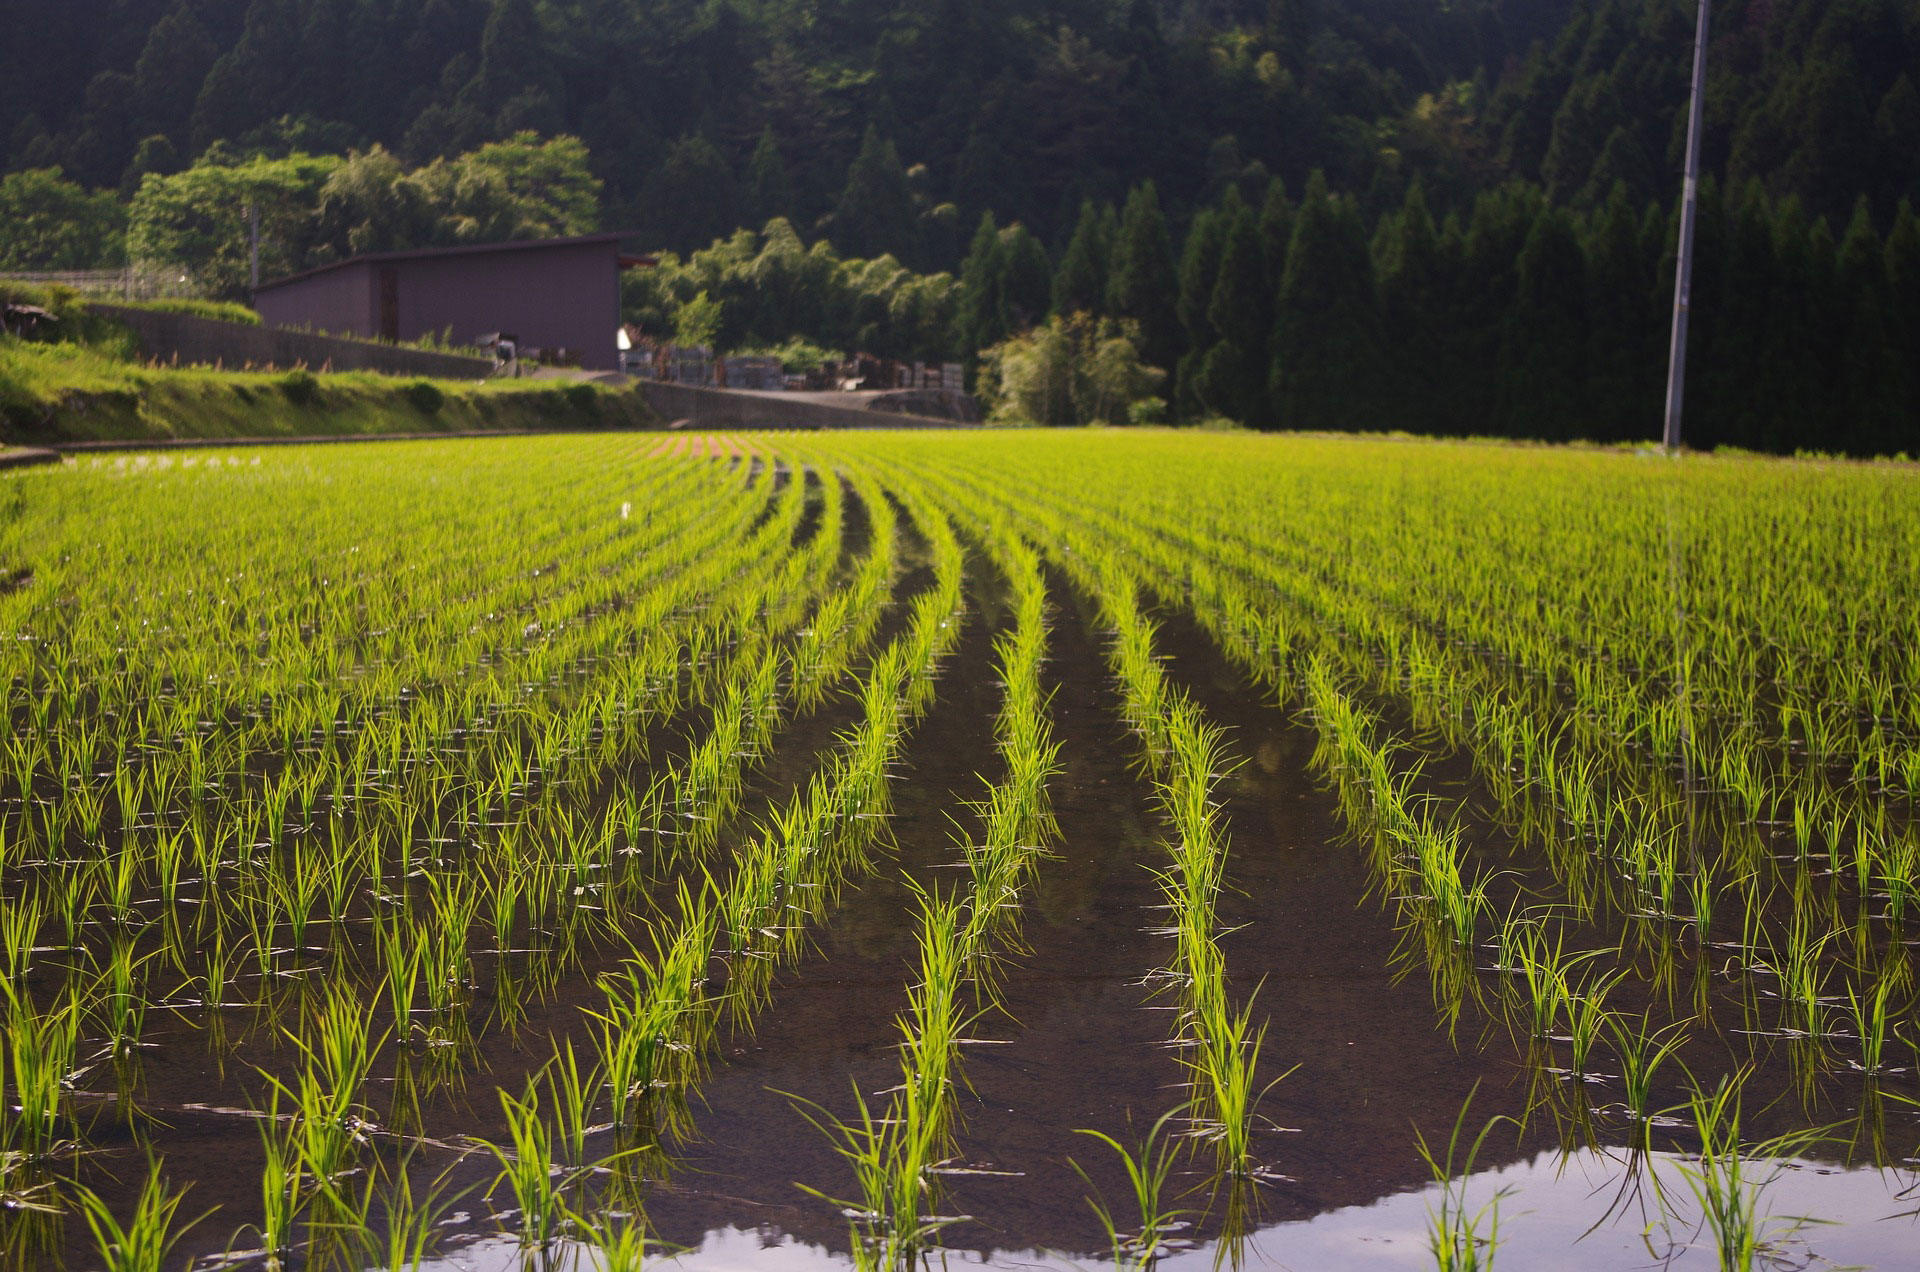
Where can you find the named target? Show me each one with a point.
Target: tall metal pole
(1683, 273)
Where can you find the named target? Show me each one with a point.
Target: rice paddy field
(799, 851)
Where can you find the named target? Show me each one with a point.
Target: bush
(425, 396)
(301, 387)
(1073, 370)
(583, 398)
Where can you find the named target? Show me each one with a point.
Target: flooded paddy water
(717, 888)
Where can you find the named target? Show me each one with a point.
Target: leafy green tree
(1073, 369)
(196, 220)
(50, 223)
(551, 182)
(698, 321)
(369, 204)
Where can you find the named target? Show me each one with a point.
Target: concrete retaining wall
(189, 339)
(727, 408)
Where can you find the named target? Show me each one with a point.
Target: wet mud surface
(1079, 1040)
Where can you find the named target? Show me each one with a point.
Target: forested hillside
(1490, 182)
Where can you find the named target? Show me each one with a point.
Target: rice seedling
(1728, 1181)
(528, 1168)
(1148, 1170)
(143, 1242)
(891, 1220)
(42, 1054)
(1461, 1237)
(408, 1223)
(1640, 1050)
(330, 1122)
(458, 709)
(282, 1191)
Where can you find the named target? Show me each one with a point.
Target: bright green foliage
(1074, 370)
(414, 795)
(198, 218)
(50, 223)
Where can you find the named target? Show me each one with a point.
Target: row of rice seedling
(1820, 962)
(1649, 858)
(442, 962)
(714, 964)
(1221, 1044)
(374, 759)
(899, 1149)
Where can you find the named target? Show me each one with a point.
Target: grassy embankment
(86, 381)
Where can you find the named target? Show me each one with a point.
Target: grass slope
(90, 385)
(52, 393)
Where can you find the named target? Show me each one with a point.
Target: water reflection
(1582, 1212)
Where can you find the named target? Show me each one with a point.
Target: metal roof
(463, 249)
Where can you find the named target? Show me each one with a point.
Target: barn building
(550, 294)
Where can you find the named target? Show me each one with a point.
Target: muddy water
(1080, 1043)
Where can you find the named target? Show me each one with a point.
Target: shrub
(583, 398)
(1072, 370)
(425, 396)
(301, 387)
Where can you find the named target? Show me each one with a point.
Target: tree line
(890, 127)
(1519, 318)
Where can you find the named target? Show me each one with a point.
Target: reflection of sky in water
(1551, 1203)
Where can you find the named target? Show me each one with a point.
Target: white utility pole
(1683, 273)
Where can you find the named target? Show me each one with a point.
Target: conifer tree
(1623, 349)
(1543, 360)
(1327, 360)
(769, 190)
(1902, 267)
(1232, 379)
(1141, 283)
(1407, 264)
(1027, 285)
(981, 318)
(1276, 231)
(1199, 271)
(1080, 284)
(875, 213)
(1869, 378)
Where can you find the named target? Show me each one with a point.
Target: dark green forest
(1321, 213)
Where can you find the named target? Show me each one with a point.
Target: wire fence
(140, 282)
